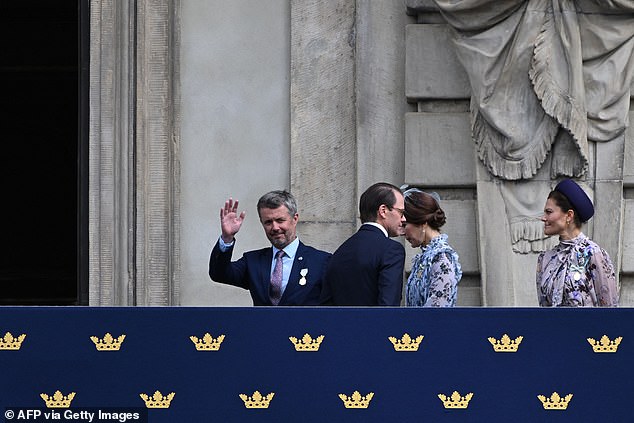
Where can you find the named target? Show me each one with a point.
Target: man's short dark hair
(373, 197)
(275, 199)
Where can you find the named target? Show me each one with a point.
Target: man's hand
(230, 221)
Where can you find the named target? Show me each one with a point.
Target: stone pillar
(111, 162)
(157, 153)
(381, 105)
(626, 256)
(133, 192)
(347, 109)
(323, 116)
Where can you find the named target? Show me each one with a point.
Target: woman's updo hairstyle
(564, 204)
(422, 207)
(568, 195)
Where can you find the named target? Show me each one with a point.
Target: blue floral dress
(435, 276)
(576, 273)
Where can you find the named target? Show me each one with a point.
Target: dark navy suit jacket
(366, 270)
(253, 272)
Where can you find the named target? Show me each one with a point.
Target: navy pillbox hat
(577, 197)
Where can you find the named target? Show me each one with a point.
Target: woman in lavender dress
(436, 271)
(577, 272)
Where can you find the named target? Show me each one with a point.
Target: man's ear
(382, 211)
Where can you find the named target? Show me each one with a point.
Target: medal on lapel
(303, 272)
(580, 267)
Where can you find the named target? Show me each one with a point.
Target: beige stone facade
(323, 98)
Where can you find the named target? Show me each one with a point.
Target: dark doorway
(43, 165)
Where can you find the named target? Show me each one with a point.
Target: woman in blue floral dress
(436, 271)
(577, 272)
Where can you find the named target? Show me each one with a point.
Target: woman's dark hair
(563, 203)
(421, 207)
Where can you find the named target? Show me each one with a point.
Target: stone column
(111, 162)
(347, 109)
(157, 158)
(323, 117)
(133, 192)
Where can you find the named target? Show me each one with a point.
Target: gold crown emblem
(158, 400)
(356, 400)
(406, 343)
(257, 400)
(8, 342)
(555, 402)
(506, 344)
(207, 343)
(456, 400)
(307, 343)
(605, 345)
(58, 400)
(108, 343)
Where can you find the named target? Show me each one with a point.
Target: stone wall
(439, 153)
(341, 95)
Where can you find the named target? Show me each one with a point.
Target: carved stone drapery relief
(547, 77)
(544, 72)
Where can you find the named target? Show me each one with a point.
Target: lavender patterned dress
(576, 273)
(435, 276)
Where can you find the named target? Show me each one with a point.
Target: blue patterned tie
(275, 292)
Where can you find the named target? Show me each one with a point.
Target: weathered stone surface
(420, 6)
(325, 237)
(322, 100)
(628, 153)
(609, 164)
(627, 291)
(521, 286)
(469, 292)
(608, 199)
(627, 246)
(432, 69)
(379, 74)
(134, 223)
(439, 150)
(627, 264)
(353, 68)
(494, 244)
(461, 229)
(235, 129)
(461, 232)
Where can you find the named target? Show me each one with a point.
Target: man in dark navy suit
(287, 273)
(367, 269)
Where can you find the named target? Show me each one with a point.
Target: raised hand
(230, 221)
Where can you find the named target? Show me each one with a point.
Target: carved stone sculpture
(544, 74)
(547, 77)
